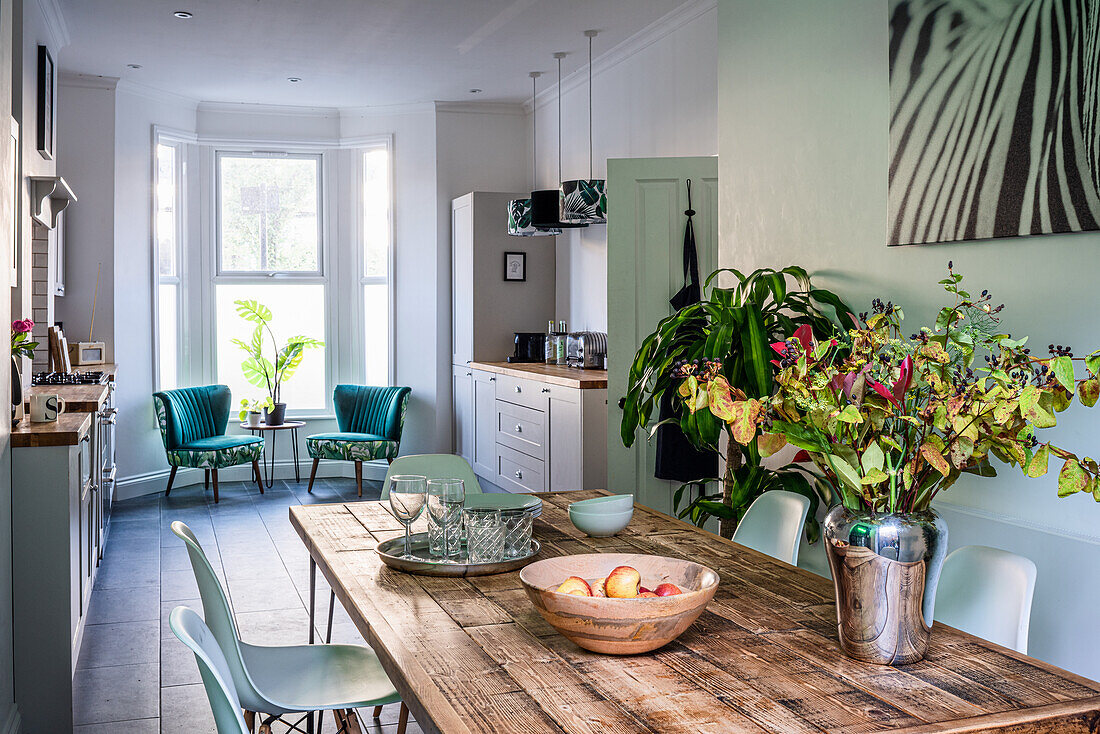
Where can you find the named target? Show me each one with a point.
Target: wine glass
(407, 495)
(445, 498)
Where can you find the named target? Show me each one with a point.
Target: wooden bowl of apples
(619, 603)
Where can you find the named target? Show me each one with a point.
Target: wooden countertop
(78, 398)
(553, 374)
(68, 430)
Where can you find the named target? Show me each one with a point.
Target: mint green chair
(987, 592)
(773, 524)
(192, 426)
(216, 678)
(370, 420)
(433, 466)
(287, 679)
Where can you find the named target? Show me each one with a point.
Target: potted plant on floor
(891, 421)
(266, 373)
(722, 342)
(251, 413)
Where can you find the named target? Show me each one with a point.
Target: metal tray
(390, 551)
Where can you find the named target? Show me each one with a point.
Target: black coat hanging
(677, 459)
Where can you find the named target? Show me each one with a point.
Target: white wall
(86, 155)
(804, 139)
(656, 95)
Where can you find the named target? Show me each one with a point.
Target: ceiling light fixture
(519, 210)
(584, 201)
(294, 79)
(546, 204)
(133, 66)
(475, 91)
(184, 14)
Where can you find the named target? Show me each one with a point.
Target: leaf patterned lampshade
(519, 221)
(584, 202)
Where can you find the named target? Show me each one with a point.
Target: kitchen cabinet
(475, 419)
(55, 558)
(535, 428)
(462, 395)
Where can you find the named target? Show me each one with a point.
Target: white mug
(46, 407)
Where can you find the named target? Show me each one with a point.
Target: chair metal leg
(171, 478)
(214, 476)
(312, 598)
(359, 477)
(331, 607)
(312, 475)
(259, 477)
(205, 479)
(403, 719)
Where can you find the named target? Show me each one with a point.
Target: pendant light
(584, 201)
(546, 203)
(519, 210)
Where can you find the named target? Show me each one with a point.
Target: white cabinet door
(462, 283)
(485, 424)
(566, 441)
(463, 390)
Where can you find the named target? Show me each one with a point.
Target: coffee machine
(530, 347)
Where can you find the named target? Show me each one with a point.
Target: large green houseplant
(725, 339)
(270, 374)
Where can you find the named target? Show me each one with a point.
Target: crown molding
(156, 94)
(248, 108)
(87, 81)
(412, 108)
(55, 22)
(482, 108)
(655, 31)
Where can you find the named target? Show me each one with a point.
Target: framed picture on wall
(46, 100)
(515, 266)
(13, 242)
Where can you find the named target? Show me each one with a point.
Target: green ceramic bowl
(600, 523)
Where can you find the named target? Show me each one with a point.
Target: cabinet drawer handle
(546, 389)
(519, 474)
(519, 428)
(469, 374)
(492, 379)
(519, 389)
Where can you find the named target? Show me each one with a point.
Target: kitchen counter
(68, 430)
(553, 374)
(78, 398)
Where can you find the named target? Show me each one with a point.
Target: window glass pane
(376, 212)
(166, 209)
(268, 213)
(297, 309)
(167, 327)
(376, 319)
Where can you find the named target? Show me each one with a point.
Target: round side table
(269, 459)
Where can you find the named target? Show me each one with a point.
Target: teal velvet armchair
(370, 420)
(192, 426)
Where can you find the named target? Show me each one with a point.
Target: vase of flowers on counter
(890, 421)
(21, 346)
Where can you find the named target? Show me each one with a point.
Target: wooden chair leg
(250, 719)
(312, 475)
(205, 479)
(403, 719)
(256, 473)
(359, 477)
(214, 475)
(171, 478)
(346, 721)
(377, 713)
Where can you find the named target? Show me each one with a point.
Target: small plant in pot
(891, 421)
(252, 411)
(270, 374)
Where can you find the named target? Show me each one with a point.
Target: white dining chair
(216, 678)
(773, 524)
(987, 592)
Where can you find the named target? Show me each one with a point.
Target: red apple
(642, 590)
(623, 582)
(575, 585)
(646, 595)
(668, 590)
(598, 588)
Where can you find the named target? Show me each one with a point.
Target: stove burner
(96, 377)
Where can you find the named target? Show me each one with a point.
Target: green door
(645, 236)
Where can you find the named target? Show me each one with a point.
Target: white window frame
(366, 146)
(178, 142)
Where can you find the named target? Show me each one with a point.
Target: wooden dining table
(473, 654)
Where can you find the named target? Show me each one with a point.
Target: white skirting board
(154, 482)
(11, 721)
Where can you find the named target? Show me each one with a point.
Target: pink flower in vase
(22, 327)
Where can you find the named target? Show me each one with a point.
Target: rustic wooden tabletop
(473, 655)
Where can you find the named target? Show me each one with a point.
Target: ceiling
(348, 53)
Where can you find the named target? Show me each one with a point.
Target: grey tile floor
(133, 676)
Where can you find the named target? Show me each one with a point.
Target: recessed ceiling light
(133, 66)
(294, 79)
(475, 91)
(183, 14)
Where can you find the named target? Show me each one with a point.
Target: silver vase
(885, 570)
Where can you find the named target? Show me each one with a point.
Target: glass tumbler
(484, 535)
(517, 532)
(445, 498)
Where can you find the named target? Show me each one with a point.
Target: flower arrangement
(21, 344)
(891, 421)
